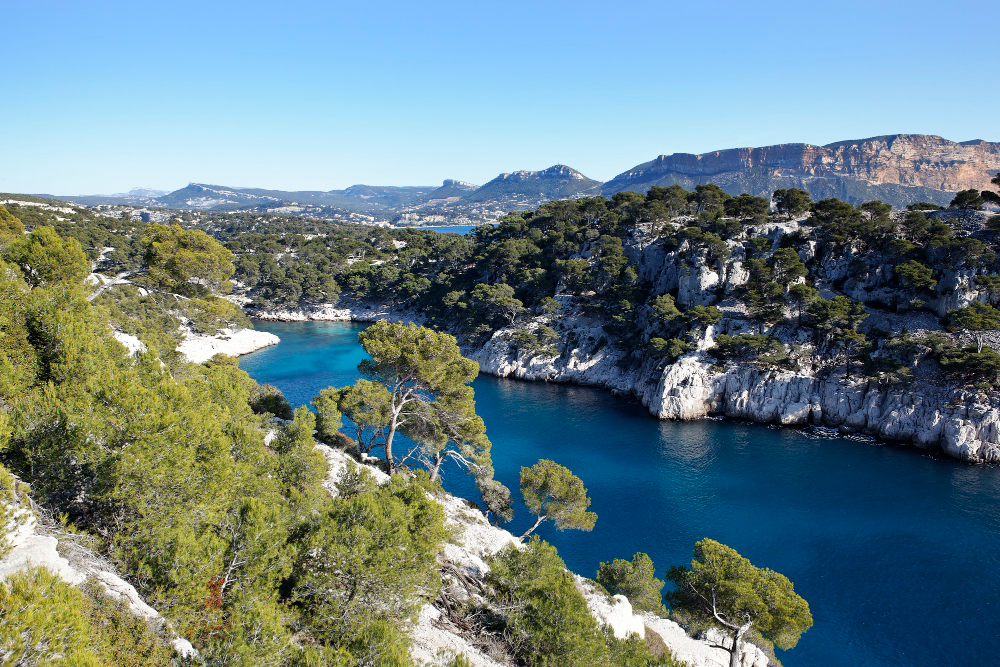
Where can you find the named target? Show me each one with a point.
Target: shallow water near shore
(896, 550)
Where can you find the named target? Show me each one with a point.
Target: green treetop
(968, 199)
(792, 201)
(976, 318)
(11, 228)
(186, 261)
(552, 492)
(636, 580)
(726, 590)
(46, 258)
(747, 207)
(988, 195)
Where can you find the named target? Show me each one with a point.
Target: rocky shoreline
(473, 542)
(962, 424)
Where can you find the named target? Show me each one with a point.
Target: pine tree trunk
(532, 529)
(438, 460)
(736, 651)
(389, 463)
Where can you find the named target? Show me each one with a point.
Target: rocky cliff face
(437, 638)
(899, 169)
(925, 411)
(965, 425)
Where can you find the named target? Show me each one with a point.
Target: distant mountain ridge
(531, 188)
(899, 169)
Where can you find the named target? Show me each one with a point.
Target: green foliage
(792, 201)
(367, 404)
(835, 316)
(724, 589)
(989, 283)
(551, 492)
(801, 295)
(976, 318)
(364, 559)
(268, 399)
(787, 266)
(967, 199)
(546, 617)
(670, 350)
(496, 303)
(210, 314)
(840, 222)
(46, 258)
(766, 304)
(636, 580)
(664, 309)
(119, 636)
(430, 399)
(747, 207)
(916, 276)
(11, 229)
(635, 652)
(709, 198)
(764, 350)
(541, 341)
(990, 196)
(186, 261)
(329, 418)
(704, 316)
(497, 498)
(972, 365)
(45, 621)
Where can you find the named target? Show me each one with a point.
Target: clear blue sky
(99, 97)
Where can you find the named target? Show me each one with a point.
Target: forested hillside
(671, 262)
(205, 491)
(185, 479)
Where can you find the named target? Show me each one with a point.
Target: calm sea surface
(897, 551)
(454, 229)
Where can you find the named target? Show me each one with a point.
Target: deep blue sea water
(897, 551)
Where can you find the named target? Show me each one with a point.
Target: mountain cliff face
(899, 169)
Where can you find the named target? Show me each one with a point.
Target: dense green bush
(636, 580)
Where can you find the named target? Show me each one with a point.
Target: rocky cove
(965, 426)
(872, 535)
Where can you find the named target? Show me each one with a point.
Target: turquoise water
(896, 550)
(456, 229)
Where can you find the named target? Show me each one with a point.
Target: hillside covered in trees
(181, 476)
(213, 499)
(868, 299)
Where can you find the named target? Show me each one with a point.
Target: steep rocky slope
(438, 634)
(26, 541)
(927, 410)
(899, 169)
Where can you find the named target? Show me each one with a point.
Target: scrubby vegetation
(804, 277)
(179, 476)
(206, 491)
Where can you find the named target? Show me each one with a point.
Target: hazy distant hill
(355, 198)
(531, 187)
(899, 169)
(452, 188)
